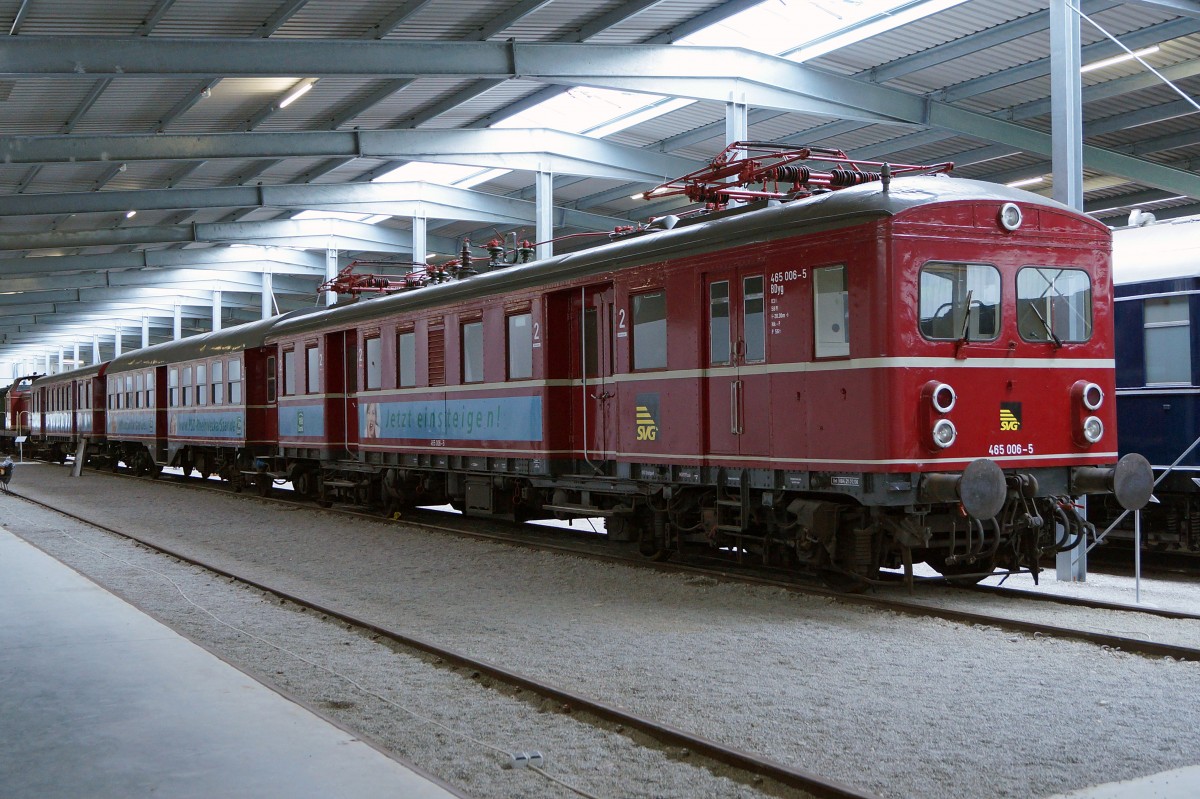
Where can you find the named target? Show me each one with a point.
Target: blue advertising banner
(492, 419)
(301, 420)
(131, 423)
(208, 424)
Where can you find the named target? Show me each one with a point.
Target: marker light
(943, 398)
(1093, 429)
(1092, 396)
(944, 433)
(1010, 216)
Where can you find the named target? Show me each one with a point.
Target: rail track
(597, 548)
(753, 766)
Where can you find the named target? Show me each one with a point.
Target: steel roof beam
(990, 37)
(162, 279)
(310, 233)
(1184, 8)
(533, 149)
(276, 260)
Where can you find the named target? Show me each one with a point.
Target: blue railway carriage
(199, 403)
(1156, 276)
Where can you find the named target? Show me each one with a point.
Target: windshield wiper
(1049, 332)
(964, 337)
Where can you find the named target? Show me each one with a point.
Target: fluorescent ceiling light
(130, 214)
(1119, 59)
(1016, 184)
(297, 92)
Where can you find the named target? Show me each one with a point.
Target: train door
(737, 384)
(341, 387)
(593, 400)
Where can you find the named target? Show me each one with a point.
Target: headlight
(943, 398)
(1092, 396)
(944, 433)
(1010, 216)
(1093, 429)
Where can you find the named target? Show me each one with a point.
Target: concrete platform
(1182, 783)
(99, 700)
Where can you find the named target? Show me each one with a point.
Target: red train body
(17, 419)
(914, 371)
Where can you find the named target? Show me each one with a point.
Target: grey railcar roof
(830, 211)
(73, 374)
(219, 342)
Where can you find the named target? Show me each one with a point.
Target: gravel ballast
(900, 706)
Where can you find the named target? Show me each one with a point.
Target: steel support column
(331, 270)
(117, 343)
(216, 310)
(95, 348)
(268, 295)
(177, 329)
(420, 246)
(545, 214)
(1066, 115)
(145, 331)
(737, 122)
(75, 355)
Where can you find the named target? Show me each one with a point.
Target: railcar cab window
(1054, 304)
(520, 346)
(372, 363)
(831, 312)
(650, 330)
(472, 352)
(312, 373)
(754, 319)
(960, 302)
(406, 359)
(1168, 341)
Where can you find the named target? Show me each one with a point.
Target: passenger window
(173, 387)
(960, 301)
(1054, 304)
(128, 391)
(139, 388)
(472, 352)
(289, 372)
(718, 322)
(201, 384)
(1168, 341)
(373, 363)
(270, 381)
(754, 319)
(831, 322)
(187, 386)
(235, 381)
(520, 346)
(650, 331)
(406, 359)
(312, 375)
(150, 389)
(218, 384)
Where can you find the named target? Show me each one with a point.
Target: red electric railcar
(66, 408)
(915, 370)
(16, 421)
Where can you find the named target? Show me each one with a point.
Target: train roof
(1158, 251)
(84, 371)
(830, 211)
(219, 342)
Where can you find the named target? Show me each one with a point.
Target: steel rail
(666, 734)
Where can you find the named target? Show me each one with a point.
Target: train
(1156, 275)
(17, 416)
(868, 370)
